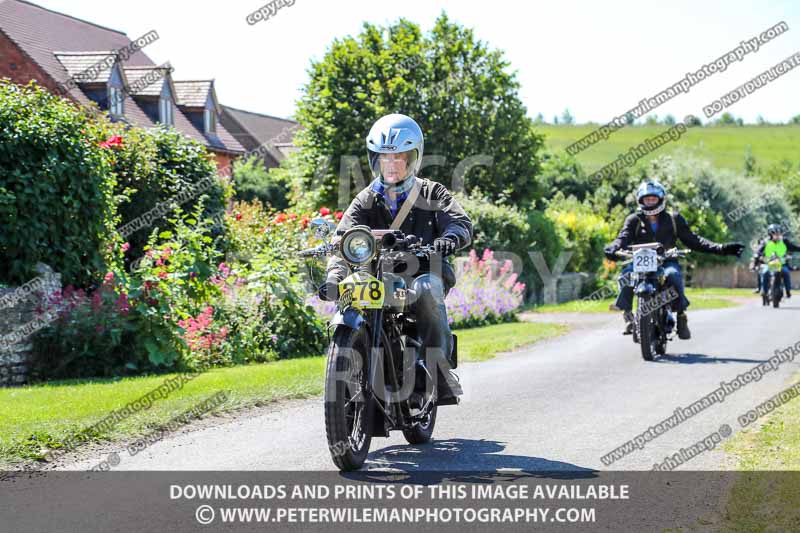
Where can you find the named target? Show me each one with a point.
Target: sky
(598, 59)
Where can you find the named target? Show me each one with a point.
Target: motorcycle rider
(777, 245)
(395, 147)
(651, 223)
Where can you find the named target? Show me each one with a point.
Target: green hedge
(502, 228)
(57, 202)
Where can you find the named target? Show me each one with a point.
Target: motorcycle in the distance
(772, 285)
(376, 380)
(653, 322)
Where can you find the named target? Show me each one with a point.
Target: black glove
(444, 245)
(733, 248)
(611, 251)
(329, 290)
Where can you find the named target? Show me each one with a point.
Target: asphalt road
(561, 404)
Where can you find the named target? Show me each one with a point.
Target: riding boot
(683, 327)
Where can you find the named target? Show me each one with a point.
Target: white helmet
(393, 134)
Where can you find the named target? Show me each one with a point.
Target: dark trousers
(674, 278)
(787, 279)
(431, 315)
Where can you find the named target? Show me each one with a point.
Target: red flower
(338, 215)
(115, 140)
(304, 222)
(163, 274)
(292, 216)
(324, 211)
(280, 218)
(238, 216)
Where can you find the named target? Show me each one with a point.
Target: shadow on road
(464, 460)
(697, 358)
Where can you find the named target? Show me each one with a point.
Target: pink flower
(163, 274)
(108, 278)
(126, 246)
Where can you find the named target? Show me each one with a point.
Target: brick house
(89, 64)
(253, 130)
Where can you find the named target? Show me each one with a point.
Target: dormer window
(116, 101)
(165, 108)
(210, 118)
(165, 111)
(116, 96)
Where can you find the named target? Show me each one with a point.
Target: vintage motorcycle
(653, 322)
(375, 379)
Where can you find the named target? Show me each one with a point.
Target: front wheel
(347, 417)
(777, 290)
(648, 338)
(422, 432)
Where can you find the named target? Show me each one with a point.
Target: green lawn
(724, 147)
(766, 497)
(40, 417)
(699, 298)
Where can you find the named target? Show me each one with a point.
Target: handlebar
(672, 253)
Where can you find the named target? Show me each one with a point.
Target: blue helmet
(774, 229)
(651, 188)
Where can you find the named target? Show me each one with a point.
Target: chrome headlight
(358, 246)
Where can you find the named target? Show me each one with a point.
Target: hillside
(725, 147)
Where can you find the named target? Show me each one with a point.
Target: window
(165, 111)
(210, 120)
(116, 101)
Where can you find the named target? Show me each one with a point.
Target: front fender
(350, 318)
(645, 289)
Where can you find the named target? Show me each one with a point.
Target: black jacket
(435, 214)
(637, 230)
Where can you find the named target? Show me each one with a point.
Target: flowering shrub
(485, 292)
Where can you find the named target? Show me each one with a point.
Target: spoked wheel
(422, 432)
(347, 417)
(777, 291)
(648, 336)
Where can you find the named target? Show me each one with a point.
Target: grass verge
(766, 495)
(700, 299)
(39, 418)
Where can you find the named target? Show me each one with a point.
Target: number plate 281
(367, 290)
(645, 260)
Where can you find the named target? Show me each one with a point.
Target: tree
(555, 120)
(630, 119)
(539, 120)
(567, 118)
(459, 91)
(669, 120)
(795, 120)
(651, 120)
(726, 119)
(251, 181)
(693, 121)
(761, 121)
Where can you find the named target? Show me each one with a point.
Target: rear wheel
(346, 407)
(422, 433)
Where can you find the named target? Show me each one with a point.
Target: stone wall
(18, 319)
(731, 277)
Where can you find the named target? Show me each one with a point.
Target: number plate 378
(366, 290)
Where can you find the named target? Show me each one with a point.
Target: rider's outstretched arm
(694, 241)
(792, 247)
